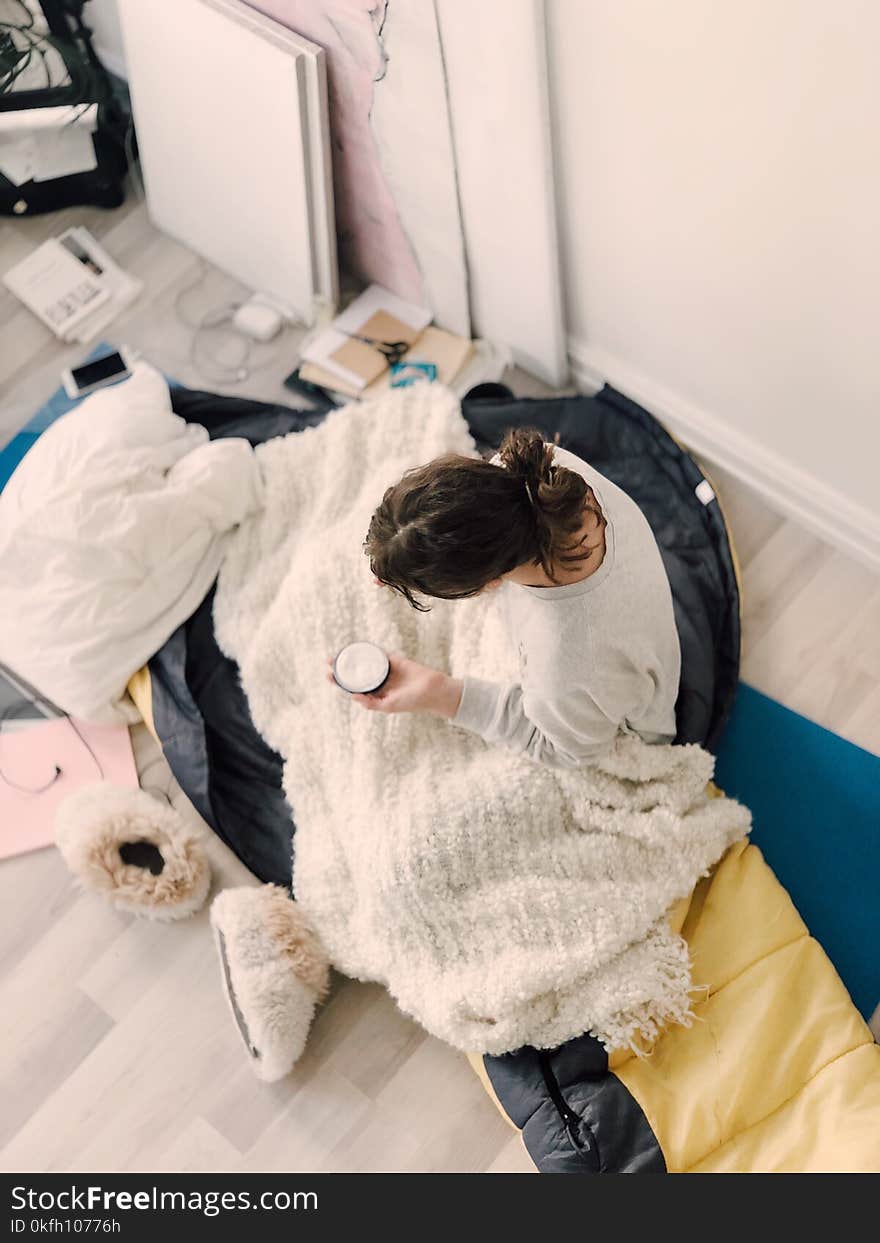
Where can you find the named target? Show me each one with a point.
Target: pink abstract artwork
(372, 242)
(375, 242)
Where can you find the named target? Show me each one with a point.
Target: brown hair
(450, 527)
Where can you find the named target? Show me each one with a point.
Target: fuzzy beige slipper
(275, 973)
(134, 851)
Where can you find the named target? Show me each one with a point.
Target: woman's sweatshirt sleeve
(561, 735)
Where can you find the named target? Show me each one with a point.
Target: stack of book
(380, 341)
(72, 285)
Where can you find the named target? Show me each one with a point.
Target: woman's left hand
(411, 687)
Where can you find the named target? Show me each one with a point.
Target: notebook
(28, 757)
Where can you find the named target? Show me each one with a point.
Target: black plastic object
(317, 396)
(488, 391)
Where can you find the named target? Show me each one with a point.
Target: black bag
(80, 80)
(98, 187)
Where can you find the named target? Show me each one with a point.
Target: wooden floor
(117, 1049)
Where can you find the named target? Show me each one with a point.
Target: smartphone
(107, 370)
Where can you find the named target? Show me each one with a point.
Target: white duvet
(112, 530)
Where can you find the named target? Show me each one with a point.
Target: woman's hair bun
(557, 496)
(527, 456)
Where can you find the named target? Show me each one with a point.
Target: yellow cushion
(778, 1071)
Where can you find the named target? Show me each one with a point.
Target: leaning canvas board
(219, 110)
(322, 217)
(499, 104)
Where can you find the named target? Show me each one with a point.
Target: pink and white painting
(397, 209)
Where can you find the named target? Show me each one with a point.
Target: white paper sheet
(17, 159)
(62, 152)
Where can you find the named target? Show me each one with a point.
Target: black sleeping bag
(201, 716)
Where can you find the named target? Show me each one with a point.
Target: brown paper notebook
(364, 360)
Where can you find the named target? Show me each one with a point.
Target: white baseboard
(817, 507)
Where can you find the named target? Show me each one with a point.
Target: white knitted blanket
(501, 902)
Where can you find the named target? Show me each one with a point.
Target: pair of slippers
(141, 856)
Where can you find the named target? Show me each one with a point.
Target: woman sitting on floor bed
(584, 594)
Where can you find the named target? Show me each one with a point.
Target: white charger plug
(257, 319)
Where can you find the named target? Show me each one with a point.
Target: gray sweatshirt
(597, 657)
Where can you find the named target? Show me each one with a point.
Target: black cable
(8, 713)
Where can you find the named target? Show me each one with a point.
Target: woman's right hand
(412, 687)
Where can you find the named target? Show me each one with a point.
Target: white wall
(718, 174)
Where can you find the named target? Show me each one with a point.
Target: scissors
(391, 351)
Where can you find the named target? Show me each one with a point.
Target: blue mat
(816, 805)
(20, 444)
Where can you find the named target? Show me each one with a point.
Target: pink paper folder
(28, 757)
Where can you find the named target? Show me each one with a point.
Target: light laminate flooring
(118, 1053)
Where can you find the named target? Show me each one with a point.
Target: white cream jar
(361, 668)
